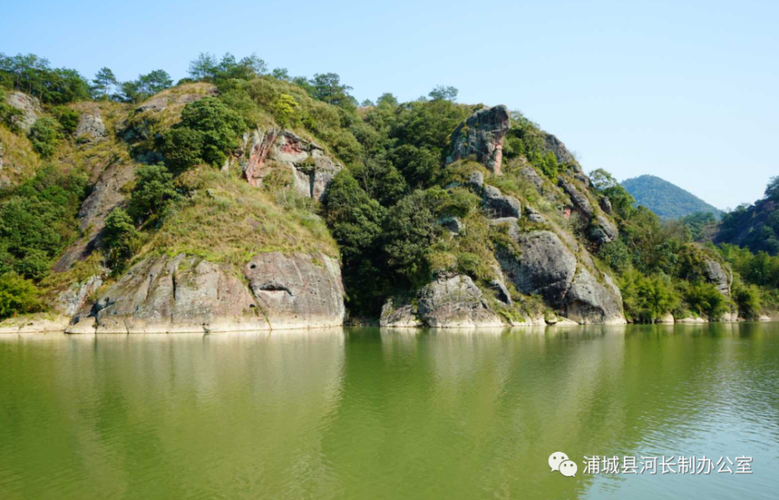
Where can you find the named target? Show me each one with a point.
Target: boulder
(310, 168)
(605, 205)
(500, 205)
(481, 135)
(602, 230)
(556, 146)
(90, 126)
(476, 181)
(721, 277)
(403, 315)
(298, 290)
(189, 294)
(589, 301)
(530, 173)
(666, 319)
(28, 105)
(454, 301)
(497, 284)
(547, 267)
(534, 216)
(579, 200)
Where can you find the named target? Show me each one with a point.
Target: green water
(364, 414)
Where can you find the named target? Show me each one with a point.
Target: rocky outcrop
(481, 136)
(73, 298)
(400, 315)
(297, 291)
(548, 268)
(90, 126)
(452, 224)
(28, 105)
(719, 276)
(454, 301)
(499, 205)
(105, 196)
(189, 294)
(310, 169)
(602, 229)
(556, 146)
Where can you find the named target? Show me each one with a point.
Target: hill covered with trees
(667, 200)
(244, 198)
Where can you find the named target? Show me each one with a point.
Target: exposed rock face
(499, 286)
(589, 301)
(311, 169)
(188, 294)
(579, 200)
(500, 205)
(721, 277)
(455, 302)
(556, 146)
(401, 315)
(476, 180)
(105, 196)
(74, 297)
(548, 268)
(482, 135)
(90, 126)
(297, 291)
(531, 175)
(28, 105)
(602, 230)
(605, 205)
(451, 224)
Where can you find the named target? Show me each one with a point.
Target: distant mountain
(667, 200)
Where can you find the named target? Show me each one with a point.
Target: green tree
(285, 109)
(204, 67)
(120, 238)
(219, 125)
(408, 236)
(444, 93)
(104, 83)
(182, 148)
(153, 190)
(327, 87)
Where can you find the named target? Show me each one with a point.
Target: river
(363, 413)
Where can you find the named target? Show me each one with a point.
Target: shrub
(182, 148)
(219, 125)
(153, 189)
(705, 299)
(285, 109)
(67, 118)
(45, 135)
(17, 295)
(120, 238)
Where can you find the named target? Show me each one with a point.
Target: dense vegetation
(387, 210)
(665, 199)
(754, 226)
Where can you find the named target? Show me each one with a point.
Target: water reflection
(369, 413)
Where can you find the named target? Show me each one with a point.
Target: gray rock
(556, 146)
(500, 205)
(311, 169)
(511, 222)
(534, 216)
(500, 287)
(476, 180)
(297, 291)
(579, 200)
(157, 103)
(589, 301)
(602, 230)
(90, 126)
(481, 135)
(605, 205)
(720, 277)
(28, 105)
(105, 196)
(70, 301)
(548, 268)
(402, 315)
(532, 176)
(455, 302)
(189, 294)
(452, 224)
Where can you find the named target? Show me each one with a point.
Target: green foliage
(45, 136)
(8, 114)
(704, 299)
(219, 125)
(153, 190)
(327, 88)
(754, 226)
(408, 235)
(33, 75)
(665, 199)
(606, 185)
(701, 225)
(145, 86)
(207, 68)
(647, 298)
(182, 148)
(748, 299)
(104, 83)
(285, 109)
(443, 92)
(17, 295)
(120, 238)
(67, 118)
(547, 164)
(37, 221)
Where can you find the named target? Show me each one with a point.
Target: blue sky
(685, 90)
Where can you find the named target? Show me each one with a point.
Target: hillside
(243, 199)
(754, 226)
(665, 199)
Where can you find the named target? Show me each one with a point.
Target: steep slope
(754, 226)
(665, 199)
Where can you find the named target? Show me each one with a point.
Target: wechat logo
(558, 461)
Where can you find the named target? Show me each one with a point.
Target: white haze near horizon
(684, 90)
